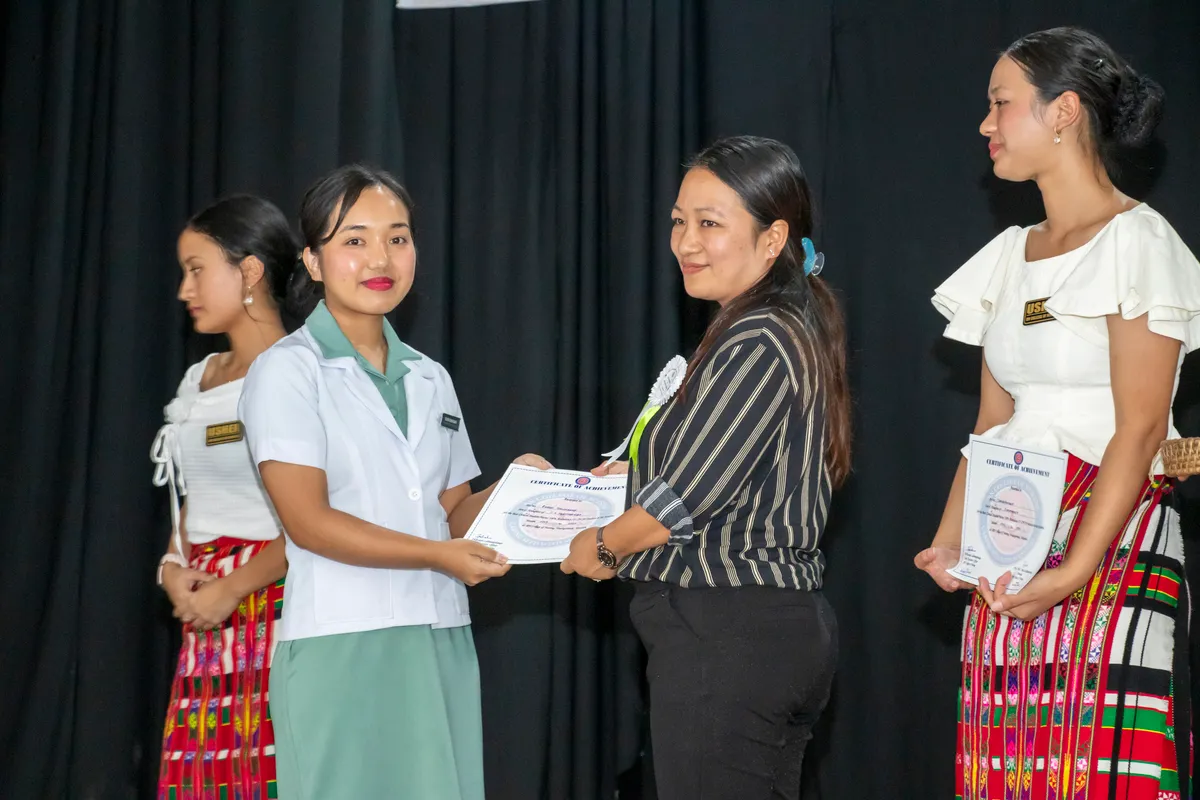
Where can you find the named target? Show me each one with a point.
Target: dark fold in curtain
(543, 144)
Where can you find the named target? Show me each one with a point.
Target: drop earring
(1057, 138)
(249, 299)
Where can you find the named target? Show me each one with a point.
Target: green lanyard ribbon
(638, 427)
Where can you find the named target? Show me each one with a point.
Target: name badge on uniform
(1036, 313)
(224, 433)
(450, 422)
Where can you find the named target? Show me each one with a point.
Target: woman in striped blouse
(730, 489)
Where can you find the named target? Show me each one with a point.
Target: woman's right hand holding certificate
(939, 557)
(472, 562)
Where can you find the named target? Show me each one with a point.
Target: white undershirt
(224, 494)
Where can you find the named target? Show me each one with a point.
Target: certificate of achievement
(1013, 496)
(533, 514)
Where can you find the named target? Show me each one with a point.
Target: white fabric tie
(167, 472)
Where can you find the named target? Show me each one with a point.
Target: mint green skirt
(390, 713)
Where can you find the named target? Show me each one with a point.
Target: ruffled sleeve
(969, 296)
(1138, 265)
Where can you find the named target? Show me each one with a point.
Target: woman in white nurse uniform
(362, 447)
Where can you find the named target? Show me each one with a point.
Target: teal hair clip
(814, 262)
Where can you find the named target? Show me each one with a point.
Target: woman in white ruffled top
(1068, 684)
(224, 566)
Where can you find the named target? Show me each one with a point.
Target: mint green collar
(334, 344)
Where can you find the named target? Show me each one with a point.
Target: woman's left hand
(533, 460)
(213, 603)
(1047, 589)
(583, 559)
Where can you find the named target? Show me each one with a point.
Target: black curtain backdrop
(542, 142)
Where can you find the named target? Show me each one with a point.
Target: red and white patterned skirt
(218, 743)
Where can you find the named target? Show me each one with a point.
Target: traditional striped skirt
(218, 743)
(1080, 702)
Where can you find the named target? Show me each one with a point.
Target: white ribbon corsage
(665, 387)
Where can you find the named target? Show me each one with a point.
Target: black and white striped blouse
(737, 471)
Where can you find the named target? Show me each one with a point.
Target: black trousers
(738, 678)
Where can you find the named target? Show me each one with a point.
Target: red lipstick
(379, 284)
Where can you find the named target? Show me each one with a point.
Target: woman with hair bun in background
(224, 566)
(1068, 685)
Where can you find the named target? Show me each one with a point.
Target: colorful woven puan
(218, 743)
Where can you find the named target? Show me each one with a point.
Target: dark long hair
(768, 178)
(243, 225)
(1123, 107)
(337, 191)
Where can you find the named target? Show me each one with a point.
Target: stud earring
(771, 252)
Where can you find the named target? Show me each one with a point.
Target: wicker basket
(1181, 457)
